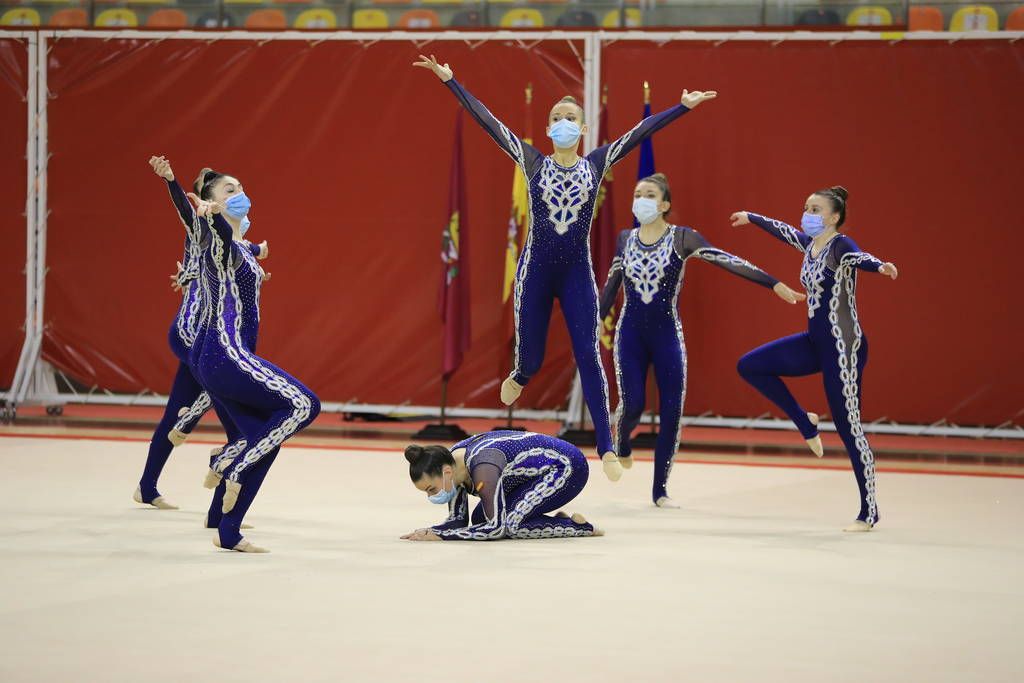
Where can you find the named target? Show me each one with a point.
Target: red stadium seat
(925, 18)
(1015, 22)
(266, 18)
(419, 18)
(167, 18)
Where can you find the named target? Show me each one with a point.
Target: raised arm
(523, 154)
(606, 156)
(777, 229)
(614, 280)
(162, 168)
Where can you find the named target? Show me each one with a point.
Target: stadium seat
(869, 16)
(266, 18)
(316, 18)
(576, 17)
(924, 18)
(20, 16)
(818, 17)
(69, 17)
(1015, 22)
(522, 18)
(167, 18)
(116, 18)
(469, 17)
(215, 20)
(974, 18)
(419, 18)
(369, 18)
(633, 19)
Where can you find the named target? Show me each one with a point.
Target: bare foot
(667, 503)
(858, 526)
(212, 480)
(816, 446)
(626, 461)
(176, 437)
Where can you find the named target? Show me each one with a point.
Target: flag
(453, 295)
(516, 237)
(646, 166)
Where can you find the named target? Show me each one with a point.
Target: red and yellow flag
(453, 295)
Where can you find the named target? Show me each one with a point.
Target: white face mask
(645, 210)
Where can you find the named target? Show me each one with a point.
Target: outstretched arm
(694, 244)
(848, 253)
(777, 229)
(608, 155)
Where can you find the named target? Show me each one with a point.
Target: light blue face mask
(244, 227)
(564, 133)
(444, 496)
(812, 224)
(645, 210)
(238, 205)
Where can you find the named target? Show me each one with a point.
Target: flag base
(578, 437)
(441, 432)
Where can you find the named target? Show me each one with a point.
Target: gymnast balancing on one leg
(833, 344)
(556, 261)
(185, 390)
(519, 477)
(268, 405)
(651, 261)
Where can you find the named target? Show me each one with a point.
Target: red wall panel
(14, 127)
(345, 151)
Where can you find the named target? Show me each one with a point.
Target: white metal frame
(33, 379)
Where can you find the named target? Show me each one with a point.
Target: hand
(889, 269)
(264, 251)
(787, 294)
(162, 167)
(176, 278)
(442, 72)
(739, 218)
(203, 207)
(266, 276)
(692, 99)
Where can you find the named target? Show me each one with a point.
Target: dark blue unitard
(833, 345)
(266, 403)
(519, 478)
(186, 389)
(649, 331)
(556, 259)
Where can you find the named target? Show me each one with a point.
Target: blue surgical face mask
(238, 205)
(443, 496)
(812, 224)
(244, 227)
(564, 133)
(645, 210)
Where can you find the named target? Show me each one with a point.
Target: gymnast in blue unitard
(186, 390)
(834, 343)
(267, 404)
(649, 264)
(519, 478)
(556, 261)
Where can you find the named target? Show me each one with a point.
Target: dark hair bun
(413, 453)
(840, 192)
